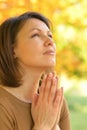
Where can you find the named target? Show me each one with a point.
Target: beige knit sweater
(16, 114)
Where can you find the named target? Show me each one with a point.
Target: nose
(49, 41)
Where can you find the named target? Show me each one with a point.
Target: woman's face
(35, 46)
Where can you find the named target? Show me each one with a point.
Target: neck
(29, 86)
(31, 83)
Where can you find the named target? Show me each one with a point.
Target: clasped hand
(46, 106)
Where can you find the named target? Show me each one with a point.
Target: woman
(27, 51)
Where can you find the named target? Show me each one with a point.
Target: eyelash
(50, 36)
(36, 34)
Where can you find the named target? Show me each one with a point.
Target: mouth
(50, 52)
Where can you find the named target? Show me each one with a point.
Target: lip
(50, 52)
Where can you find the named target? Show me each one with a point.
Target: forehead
(33, 23)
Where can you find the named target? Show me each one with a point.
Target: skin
(36, 52)
(52, 101)
(32, 44)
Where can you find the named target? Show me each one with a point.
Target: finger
(52, 89)
(48, 85)
(42, 88)
(35, 99)
(58, 98)
(61, 102)
(59, 106)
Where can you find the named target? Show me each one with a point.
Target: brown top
(16, 114)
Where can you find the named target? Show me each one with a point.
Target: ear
(14, 52)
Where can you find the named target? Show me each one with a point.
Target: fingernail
(50, 74)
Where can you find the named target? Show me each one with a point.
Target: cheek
(29, 51)
(28, 55)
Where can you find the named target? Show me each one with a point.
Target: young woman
(27, 52)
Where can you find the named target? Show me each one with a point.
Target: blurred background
(69, 19)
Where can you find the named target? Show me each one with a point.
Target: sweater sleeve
(64, 122)
(6, 122)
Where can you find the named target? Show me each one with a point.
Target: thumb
(35, 99)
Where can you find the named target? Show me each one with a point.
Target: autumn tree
(69, 18)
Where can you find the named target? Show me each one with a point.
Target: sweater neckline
(10, 95)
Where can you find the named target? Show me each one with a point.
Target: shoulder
(5, 100)
(3, 96)
(65, 110)
(64, 121)
(6, 107)
(6, 116)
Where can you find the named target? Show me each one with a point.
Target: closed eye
(34, 35)
(50, 36)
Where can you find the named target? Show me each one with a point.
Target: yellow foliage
(69, 18)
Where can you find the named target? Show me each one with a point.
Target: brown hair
(9, 72)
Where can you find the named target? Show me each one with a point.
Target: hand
(46, 105)
(56, 127)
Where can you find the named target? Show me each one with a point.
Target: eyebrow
(39, 30)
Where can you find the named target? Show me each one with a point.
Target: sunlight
(33, 1)
(83, 87)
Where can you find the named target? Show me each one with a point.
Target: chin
(49, 69)
(51, 63)
(50, 66)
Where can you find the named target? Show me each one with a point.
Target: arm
(5, 119)
(64, 122)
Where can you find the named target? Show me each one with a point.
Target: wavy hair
(9, 73)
